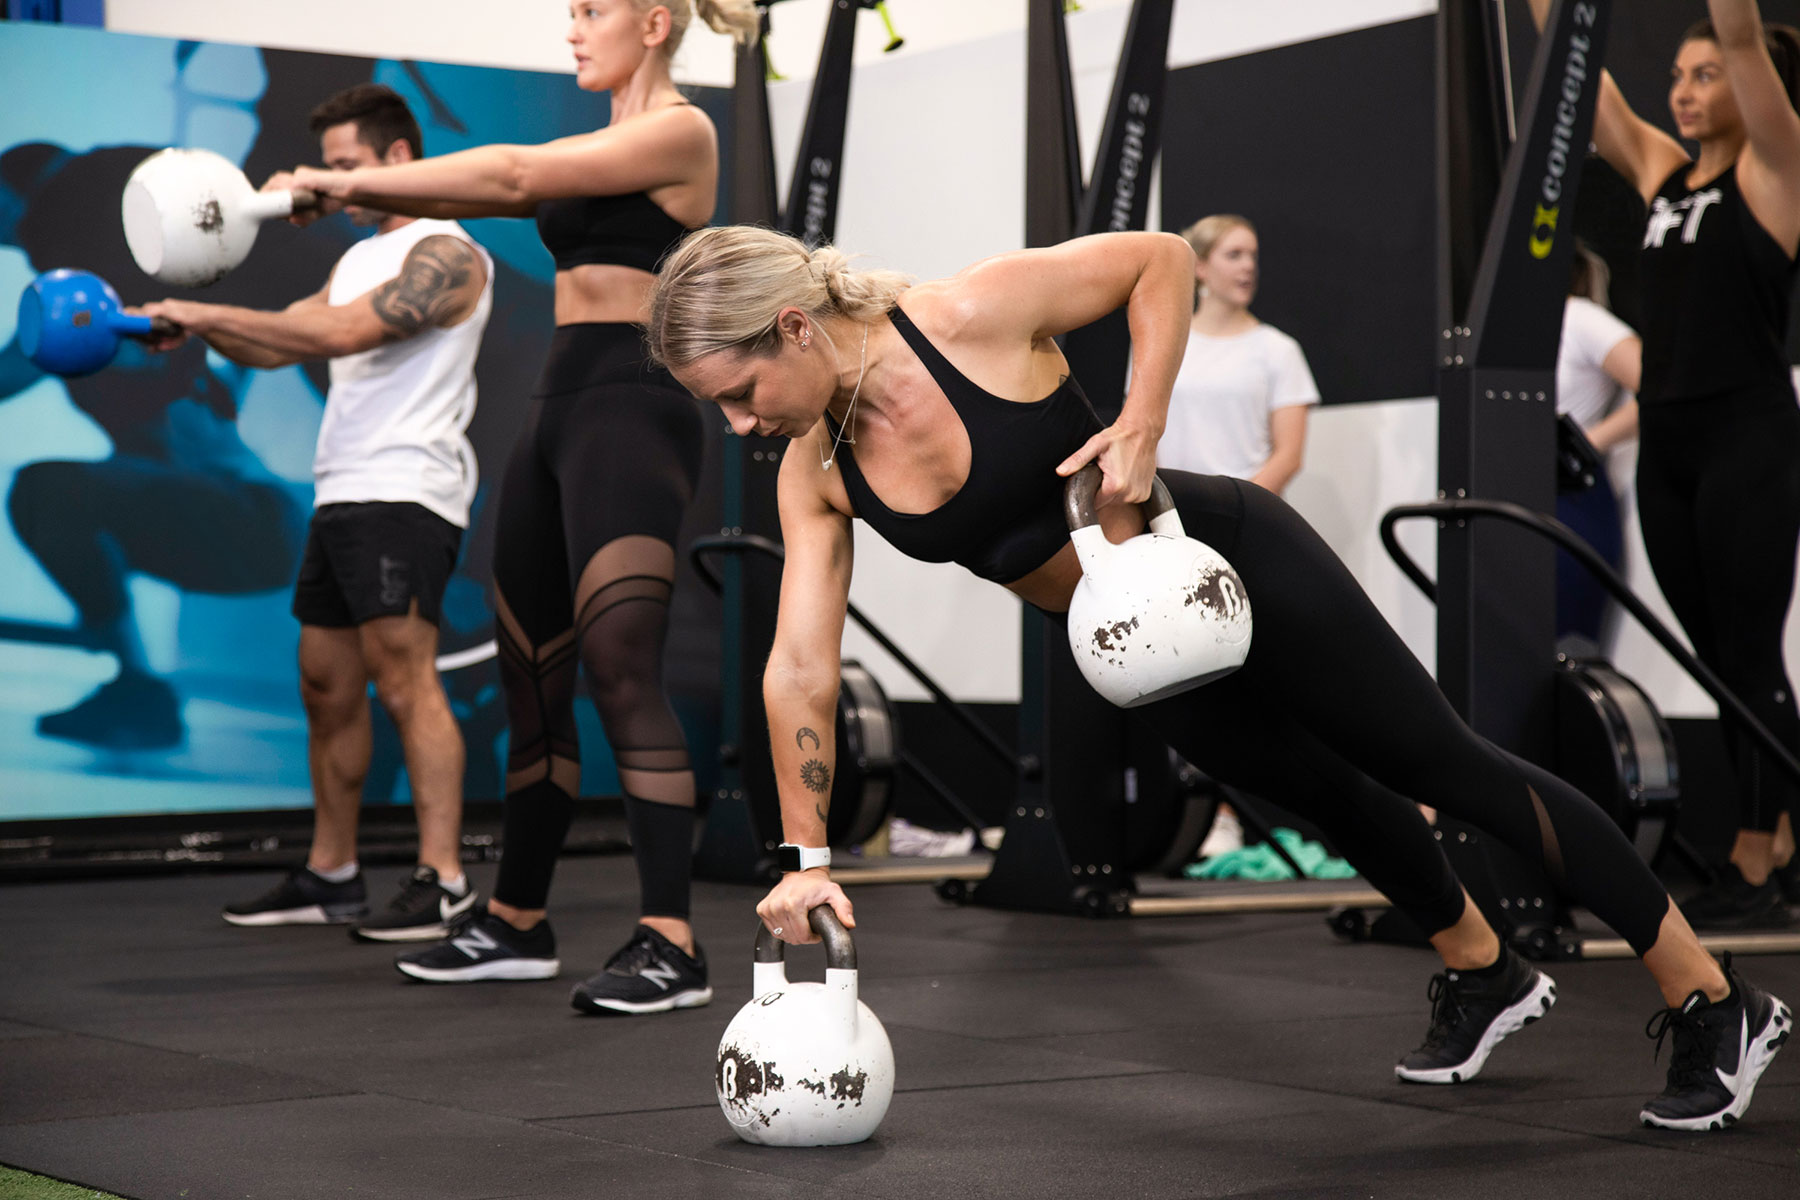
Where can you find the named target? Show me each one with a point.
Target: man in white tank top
(401, 320)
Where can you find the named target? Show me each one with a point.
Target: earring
(805, 340)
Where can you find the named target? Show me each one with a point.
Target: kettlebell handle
(1084, 486)
(840, 951)
(145, 327)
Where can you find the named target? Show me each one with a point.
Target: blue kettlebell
(70, 322)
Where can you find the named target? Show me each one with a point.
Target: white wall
(529, 33)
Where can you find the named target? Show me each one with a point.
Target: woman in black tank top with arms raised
(1718, 483)
(943, 415)
(593, 495)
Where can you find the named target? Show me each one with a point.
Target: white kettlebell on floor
(805, 1064)
(1157, 614)
(191, 216)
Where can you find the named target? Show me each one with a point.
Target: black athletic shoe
(133, 712)
(482, 946)
(1721, 1050)
(651, 974)
(303, 898)
(1733, 902)
(1469, 1016)
(424, 911)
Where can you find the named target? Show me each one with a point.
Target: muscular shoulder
(968, 306)
(437, 283)
(675, 128)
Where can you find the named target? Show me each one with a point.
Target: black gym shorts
(364, 561)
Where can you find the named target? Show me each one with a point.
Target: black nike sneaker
(651, 974)
(482, 946)
(1733, 902)
(1470, 1014)
(303, 898)
(1721, 1050)
(424, 911)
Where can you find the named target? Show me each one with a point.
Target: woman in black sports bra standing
(1718, 483)
(593, 496)
(943, 416)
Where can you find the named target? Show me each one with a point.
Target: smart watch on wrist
(799, 858)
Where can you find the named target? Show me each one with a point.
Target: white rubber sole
(312, 914)
(692, 998)
(414, 933)
(500, 968)
(1517, 1016)
(1763, 1047)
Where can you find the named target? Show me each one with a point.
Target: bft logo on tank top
(1686, 212)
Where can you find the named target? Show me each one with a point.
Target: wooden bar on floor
(1715, 943)
(913, 870)
(1274, 899)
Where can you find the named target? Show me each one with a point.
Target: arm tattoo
(819, 811)
(428, 287)
(816, 776)
(804, 736)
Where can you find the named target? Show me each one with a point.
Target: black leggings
(584, 564)
(1332, 717)
(1718, 484)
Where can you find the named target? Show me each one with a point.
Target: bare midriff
(602, 292)
(1050, 586)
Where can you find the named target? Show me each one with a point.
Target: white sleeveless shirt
(396, 416)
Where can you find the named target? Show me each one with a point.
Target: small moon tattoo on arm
(805, 736)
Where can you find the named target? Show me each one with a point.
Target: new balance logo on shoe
(662, 974)
(474, 941)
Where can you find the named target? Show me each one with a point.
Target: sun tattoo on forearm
(816, 776)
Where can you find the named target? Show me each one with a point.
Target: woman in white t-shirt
(1597, 371)
(1239, 403)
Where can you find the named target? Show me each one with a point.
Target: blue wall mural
(176, 487)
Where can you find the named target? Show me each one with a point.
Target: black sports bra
(1007, 519)
(628, 231)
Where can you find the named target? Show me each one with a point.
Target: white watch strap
(809, 856)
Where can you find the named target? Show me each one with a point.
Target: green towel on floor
(1259, 862)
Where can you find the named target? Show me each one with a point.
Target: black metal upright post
(1065, 831)
(1501, 318)
(812, 197)
(734, 845)
(744, 825)
(1118, 196)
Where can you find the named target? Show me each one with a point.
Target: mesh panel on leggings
(539, 682)
(621, 623)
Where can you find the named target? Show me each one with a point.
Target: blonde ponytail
(724, 287)
(736, 17)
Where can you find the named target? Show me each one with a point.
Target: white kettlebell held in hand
(191, 216)
(805, 1064)
(1157, 614)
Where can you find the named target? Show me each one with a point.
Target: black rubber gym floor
(150, 1050)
